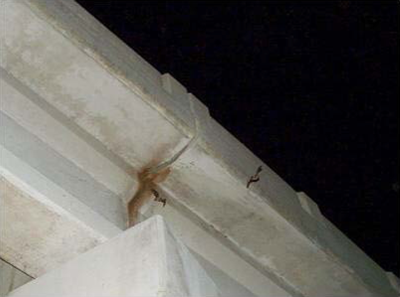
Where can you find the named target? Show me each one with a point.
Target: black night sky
(312, 88)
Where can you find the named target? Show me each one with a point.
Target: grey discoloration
(64, 84)
(34, 248)
(61, 171)
(11, 278)
(266, 226)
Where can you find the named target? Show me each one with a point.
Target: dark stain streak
(254, 178)
(158, 198)
(11, 285)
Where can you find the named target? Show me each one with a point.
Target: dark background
(310, 87)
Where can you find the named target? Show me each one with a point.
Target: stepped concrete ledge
(100, 113)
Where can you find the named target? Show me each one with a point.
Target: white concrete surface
(50, 126)
(43, 225)
(107, 98)
(11, 278)
(54, 223)
(146, 260)
(226, 285)
(42, 144)
(61, 172)
(220, 262)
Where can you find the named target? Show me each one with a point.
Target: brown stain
(107, 129)
(147, 182)
(160, 154)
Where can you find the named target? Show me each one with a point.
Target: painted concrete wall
(67, 225)
(99, 113)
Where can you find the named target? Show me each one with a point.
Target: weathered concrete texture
(39, 233)
(123, 105)
(11, 278)
(50, 126)
(42, 225)
(60, 171)
(143, 261)
(394, 280)
(52, 148)
(227, 286)
(221, 263)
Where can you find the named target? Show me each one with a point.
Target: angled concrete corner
(309, 205)
(145, 260)
(38, 216)
(11, 278)
(394, 281)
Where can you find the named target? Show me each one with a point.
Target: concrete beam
(48, 147)
(61, 172)
(61, 230)
(47, 124)
(38, 217)
(220, 262)
(144, 261)
(134, 117)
